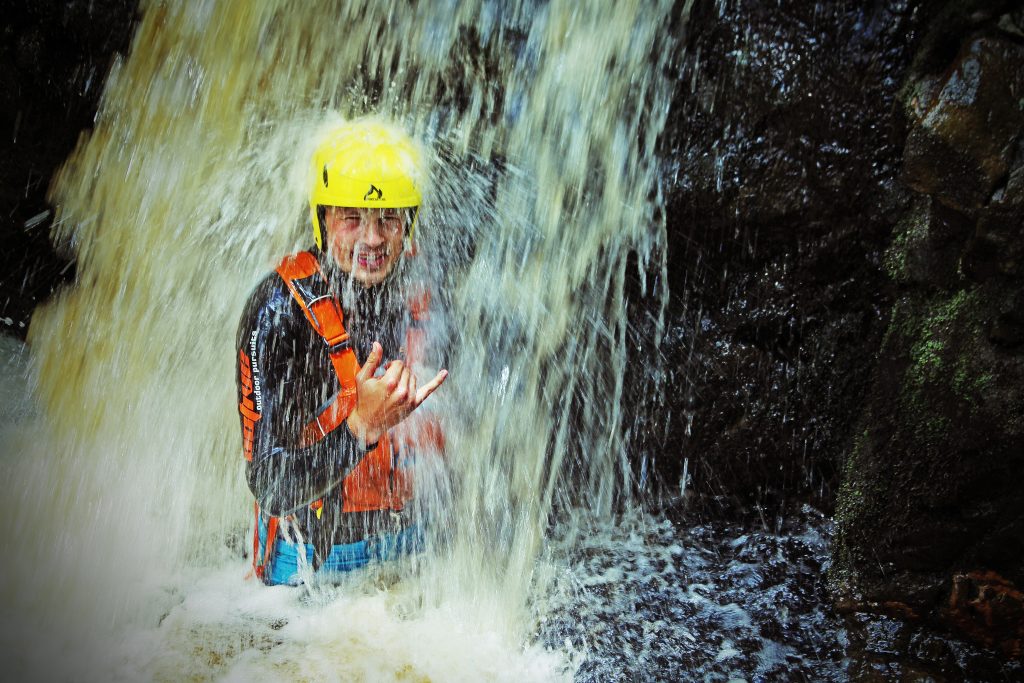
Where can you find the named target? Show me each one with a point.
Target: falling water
(543, 119)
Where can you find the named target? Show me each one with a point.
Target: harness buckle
(343, 344)
(309, 307)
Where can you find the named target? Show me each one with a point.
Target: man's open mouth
(370, 260)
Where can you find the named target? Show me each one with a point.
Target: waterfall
(543, 119)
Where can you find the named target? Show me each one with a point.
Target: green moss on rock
(908, 236)
(945, 372)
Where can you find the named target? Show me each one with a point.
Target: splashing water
(128, 526)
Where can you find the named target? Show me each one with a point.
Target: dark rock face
(785, 143)
(845, 261)
(967, 123)
(930, 514)
(55, 56)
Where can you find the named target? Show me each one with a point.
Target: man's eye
(350, 217)
(391, 215)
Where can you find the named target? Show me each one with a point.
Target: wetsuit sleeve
(272, 362)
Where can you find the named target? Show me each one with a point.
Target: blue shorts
(344, 557)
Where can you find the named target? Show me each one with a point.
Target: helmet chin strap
(321, 217)
(408, 249)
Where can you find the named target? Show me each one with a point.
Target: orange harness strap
(324, 314)
(374, 483)
(260, 561)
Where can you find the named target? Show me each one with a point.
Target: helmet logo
(373, 194)
(325, 175)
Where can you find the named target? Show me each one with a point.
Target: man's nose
(372, 235)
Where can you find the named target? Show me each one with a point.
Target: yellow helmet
(364, 164)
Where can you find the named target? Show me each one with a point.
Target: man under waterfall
(329, 427)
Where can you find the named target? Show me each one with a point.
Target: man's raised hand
(383, 402)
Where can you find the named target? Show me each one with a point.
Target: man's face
(366, 243)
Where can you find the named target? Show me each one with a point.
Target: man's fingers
(428, 388)
(372, 363)
(401, 391)
(393, 375)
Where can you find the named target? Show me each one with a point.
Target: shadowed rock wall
(845, 251)
(54, 59)
(931, 511)
(784, 145)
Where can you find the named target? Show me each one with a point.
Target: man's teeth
(371, 259)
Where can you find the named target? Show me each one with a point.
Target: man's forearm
(284, 480)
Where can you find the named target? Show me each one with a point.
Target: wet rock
(990, 609)
(928, 647)
(884, 636)
(1012, 23)
(750, 437)
(997, 248)
(54, 56)
(888, 648)
(712, 614)
(927, 484)
(926, 507)
(767, 125)
(927, 244)
(778, 216)
(962, 139)
(1007, 331)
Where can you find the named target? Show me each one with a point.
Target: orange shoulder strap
(308, 286)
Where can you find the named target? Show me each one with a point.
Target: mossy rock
(928, 486)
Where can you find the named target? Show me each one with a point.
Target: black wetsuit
(293, 380)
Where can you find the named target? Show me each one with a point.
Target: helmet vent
(325, 175)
